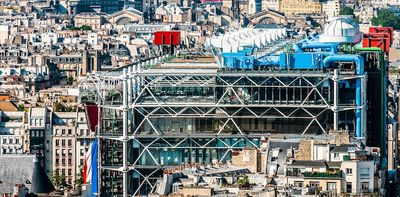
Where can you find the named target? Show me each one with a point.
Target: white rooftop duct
(341, 29)
(246, 37)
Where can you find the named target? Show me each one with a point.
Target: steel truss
(138, 107)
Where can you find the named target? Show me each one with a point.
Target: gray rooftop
(343, 148)
(283, 146)
(18, 169)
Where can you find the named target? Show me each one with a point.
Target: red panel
(167, 37)
(92, 113)
(158, 38)
(380, 40)
(388, 30)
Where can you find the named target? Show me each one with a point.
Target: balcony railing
(323, 174)
(337, 174)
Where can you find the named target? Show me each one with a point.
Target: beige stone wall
(197, 191)
(304, 151)
(341, 137)
(69, 150)
(247, 158)
(292, 7)
(323, 183)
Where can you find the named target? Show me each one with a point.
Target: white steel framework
(154, 119)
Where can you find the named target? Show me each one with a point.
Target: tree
(243, 182)
(20, 107)
(346, 11)
(79, 179)
(70, 80)
(350, 12)
(356, 19)
(386, 18)
(86, 28)
(58, 181)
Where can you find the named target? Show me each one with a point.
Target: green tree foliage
(83, 28)
(21, 107)
(356, 19)
(86, 28)
(75, 28)
(70, 80)
(350, 12)
(79, 179)
(386, 18)
(243, 182)
(346, 11)
(58, 181)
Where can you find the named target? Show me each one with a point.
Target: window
(336, 155)
(69, 151)
(57, 161)
(275, 154)
(10, 141)
(81, 162)
(63, 161)
(4, 151)
(69, 142)
(17, 141)
(57, 152)
(349, 187)
(298, 183)
(4, 141)
(265, 124)
(82, 152)
(365, 186)
(63, 131)
(273, 125)
(63, 171)
(57, 143)
(69, 172)
(58, 131)
(364, 171)
(69, 161)
(81, 132)
(331, 186)
(314, 183)
(69, 131)
(349, 171)
(63, 152)
(63, 143)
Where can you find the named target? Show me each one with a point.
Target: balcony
(337, 174)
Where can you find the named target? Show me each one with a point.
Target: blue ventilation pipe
(359, 61)
(267, 60)
(321, 45)
(297, 46)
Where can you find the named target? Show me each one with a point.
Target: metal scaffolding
(154, 119)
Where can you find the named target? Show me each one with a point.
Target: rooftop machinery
(154, 119)
(326, 53)
(352, 69)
